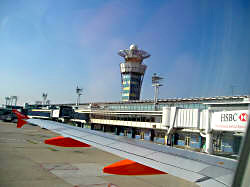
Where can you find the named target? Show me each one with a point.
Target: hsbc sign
(235, 120)
(234, 117)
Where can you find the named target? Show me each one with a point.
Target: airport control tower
(132, 72)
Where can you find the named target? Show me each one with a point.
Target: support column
(142, 135)
(118, 130)
(166, 139)
(209, 134)
(133, 132)
(169, 140)
(92, 126)
(152, 135)
(104, 129)
(209, 143)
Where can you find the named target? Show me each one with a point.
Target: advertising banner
(235, 120)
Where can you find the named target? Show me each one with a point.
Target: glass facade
(128, 117)
(151, 107)
(131, 86)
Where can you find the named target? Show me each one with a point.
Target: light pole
(7, 101)
(156, 82)
(14, 98)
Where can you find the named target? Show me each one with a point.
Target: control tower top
(132, 72)
(133, 54)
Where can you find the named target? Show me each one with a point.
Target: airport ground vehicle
(7, 115)
(55, 113)
(62, 113)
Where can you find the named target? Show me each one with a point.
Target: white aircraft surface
(200, 168)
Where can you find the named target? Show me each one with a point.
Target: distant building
(132, 72)
(38, 102)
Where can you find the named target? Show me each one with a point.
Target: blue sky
(200, 47)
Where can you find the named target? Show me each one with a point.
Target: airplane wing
(203, 169)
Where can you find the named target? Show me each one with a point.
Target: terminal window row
(134, 118)
(150, 107)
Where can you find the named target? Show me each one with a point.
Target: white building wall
(166, 111)
(204, 115)
(171, 117)
(129, 123)
(187, 118)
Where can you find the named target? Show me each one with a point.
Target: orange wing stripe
(65, 142)
(129, 167)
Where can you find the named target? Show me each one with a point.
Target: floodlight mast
(7, 99)
(11, 100)
(79, 93)
(156, 82)
(14, 99)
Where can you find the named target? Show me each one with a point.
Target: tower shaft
(132, 77)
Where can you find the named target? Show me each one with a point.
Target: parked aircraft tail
(21, 118)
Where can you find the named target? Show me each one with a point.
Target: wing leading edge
(203, 169)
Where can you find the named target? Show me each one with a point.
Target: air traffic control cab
(132, 72)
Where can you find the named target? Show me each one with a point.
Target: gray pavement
(25, 161)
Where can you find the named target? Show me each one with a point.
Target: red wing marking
(65, 142)
(129, 167)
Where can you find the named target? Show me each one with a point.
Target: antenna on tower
(79, 93)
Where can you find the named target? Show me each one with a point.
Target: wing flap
(178, 161)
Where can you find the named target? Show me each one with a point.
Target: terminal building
(214, 125)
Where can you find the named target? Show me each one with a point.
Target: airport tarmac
(25, 161)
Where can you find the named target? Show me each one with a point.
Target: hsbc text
(229, 117)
